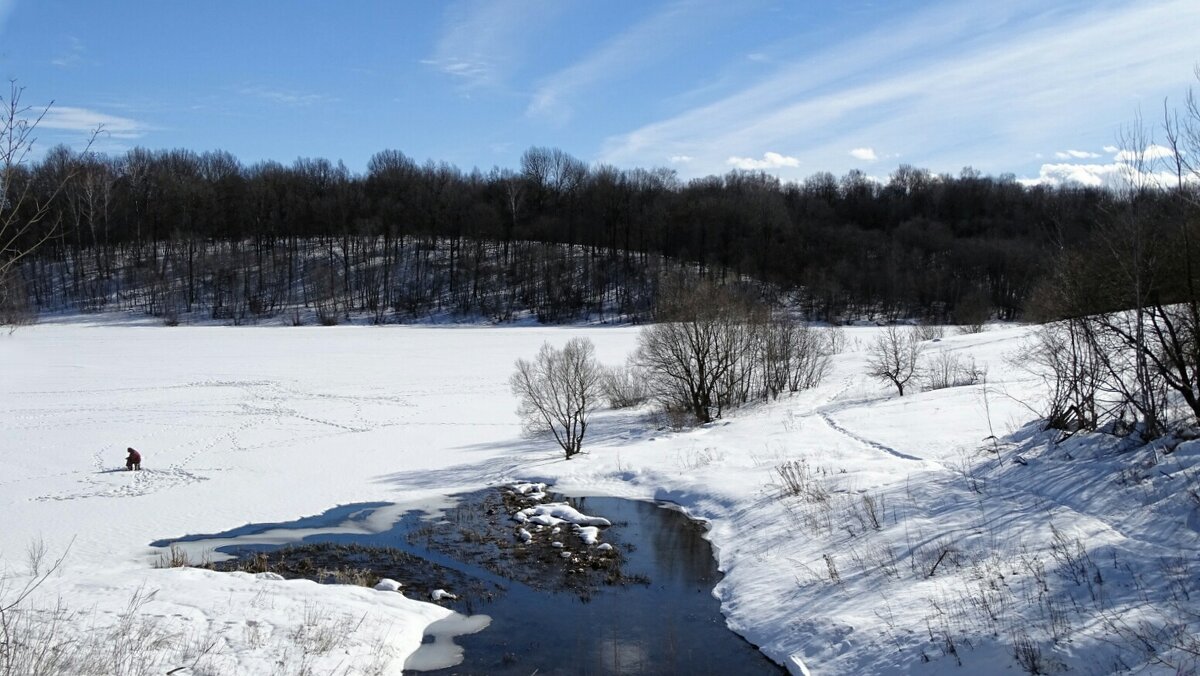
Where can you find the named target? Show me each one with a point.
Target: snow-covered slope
(919, 542)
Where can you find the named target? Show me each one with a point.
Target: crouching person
(133, 460)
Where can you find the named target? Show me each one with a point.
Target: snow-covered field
(918, 544)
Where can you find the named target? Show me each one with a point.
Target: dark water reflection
(672, 625)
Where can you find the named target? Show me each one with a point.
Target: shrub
(624, 387)
(714, 350)
(792, 356)
(951, 369)
(926, 332)
(798, 478)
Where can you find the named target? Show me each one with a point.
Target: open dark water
(667, 623)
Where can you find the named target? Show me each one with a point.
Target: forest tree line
(172, 232)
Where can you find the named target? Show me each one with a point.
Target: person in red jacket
(133, 460)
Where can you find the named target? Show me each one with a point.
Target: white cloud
(864, 154)
(1075, 155)
(482, 41)
(1126, 168)
(947, 87)
(681, 159)
(1151, 153)
(68, 118)
(286, 97)
(770, 160)
(1110, 175)
(1091, 175)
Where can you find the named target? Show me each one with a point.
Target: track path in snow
(825, 416)
(835, 404)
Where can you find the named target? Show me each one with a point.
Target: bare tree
(558, 392)
(894, 357)
(700, 357)
(25, 222)
(1129, 342)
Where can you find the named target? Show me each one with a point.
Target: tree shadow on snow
(606, 428)
(521, 457)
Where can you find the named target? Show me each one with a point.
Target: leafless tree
(894, 357)
(1127, 345)
(696, 358)
(25, 212)
(558, 392)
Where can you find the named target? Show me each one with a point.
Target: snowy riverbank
(914, 543)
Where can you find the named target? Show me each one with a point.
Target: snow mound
(554, 513)
(533, 491)
(589, 534)
(388, 584)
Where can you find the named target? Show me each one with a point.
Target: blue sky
(1036, 88)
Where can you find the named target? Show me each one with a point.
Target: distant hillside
(173, 231)
(359, 278)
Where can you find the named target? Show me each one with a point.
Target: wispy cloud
(482, 40)
(680, 159)
(953, 85)
(6, 8)
(646, 41)
(864, 154)
(287, 97)
(71, 56)
(1075, 155)
(83, 120)
(770, 160)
